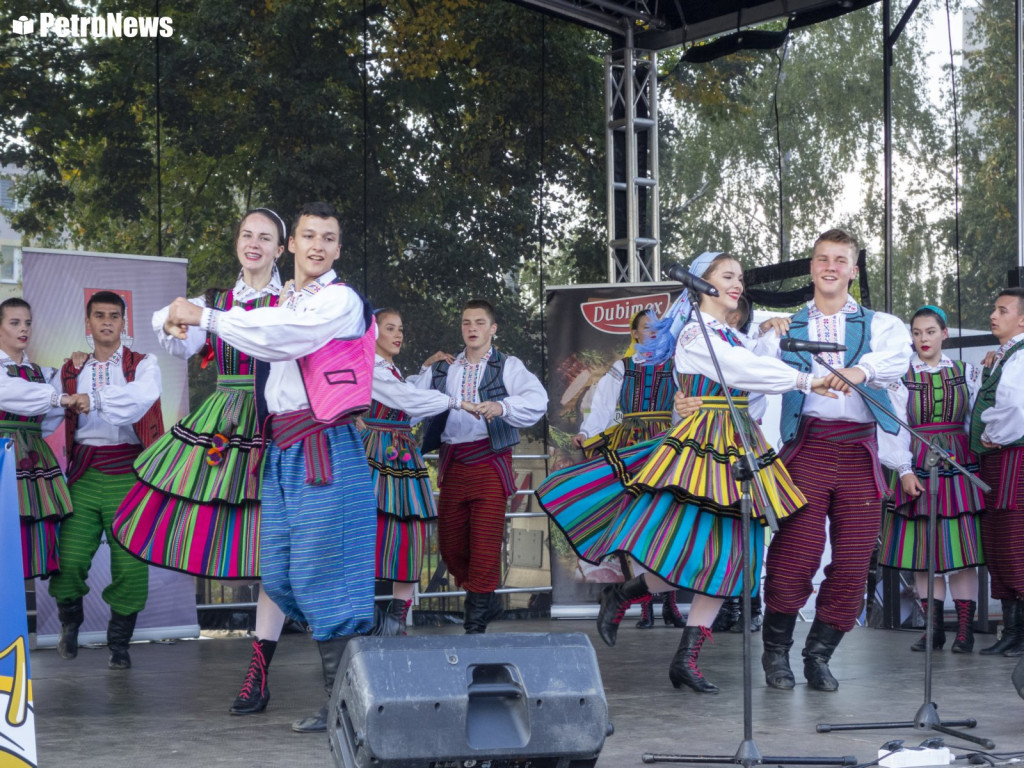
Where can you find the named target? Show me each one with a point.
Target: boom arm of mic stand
(934, 448)
(748, 457)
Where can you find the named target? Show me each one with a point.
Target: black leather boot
(646, 612)
(964, 642)
(777, 637)
(331, 652)
(481, 609)
(1017, 649)
(71, 617)
(255, 693)
(389, 619)
(756, 615)
(615, 599)
(1018, 678)
(119, 637)
(670, 611)
(938, 629)
(1011, 630)
(821, 643)
(684, 670)
(728, 616)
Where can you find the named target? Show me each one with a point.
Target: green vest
(986, 399)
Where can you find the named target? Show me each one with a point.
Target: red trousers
(838, 481)
(471, 525)
(1002, 530)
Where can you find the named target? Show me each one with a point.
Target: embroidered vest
(492, 387)
(646, 387)
(987, 398)
(939, 396)
(148, 428)
(32, 373)
(858, 342)
(338, 377)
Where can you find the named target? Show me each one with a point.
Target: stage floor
(170, 709)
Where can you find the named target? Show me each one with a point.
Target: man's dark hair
(1016, 292)
(104, 297)
(481, 304)
(319, 211)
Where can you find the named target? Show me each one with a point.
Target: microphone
(789, 344)
(681, 274)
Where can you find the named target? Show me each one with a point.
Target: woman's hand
(578, 439)
(819, 387)
(437, 357)
(911, 485)
(778, 324)
(685, 405)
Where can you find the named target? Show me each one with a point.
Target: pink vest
(338, 377)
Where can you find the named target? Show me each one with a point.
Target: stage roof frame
(661, 24)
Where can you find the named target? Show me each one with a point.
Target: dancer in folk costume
(317, 522)
(831, 452)
(196, 505)
(31, 406)
(997, 436)
(475, 465)
(672, 503)
(937, 398)
(405, 496)
(632, 403)
(118, 416)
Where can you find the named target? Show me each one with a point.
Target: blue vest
(858, 341)
(492, 388)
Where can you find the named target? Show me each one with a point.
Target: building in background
(10, 241)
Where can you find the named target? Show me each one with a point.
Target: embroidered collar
(461, 359)
(292, 298)
(1004, 348)
(243, 292)
(6, 360)
(918, 365)
(850, 307)
(113, 360)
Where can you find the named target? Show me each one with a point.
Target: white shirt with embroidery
(185, 348)
(115, 404)
(394, 392)
(894, 450)
(884, 364)
(526, 404)
(302, 322)
(31, 398)
(1004, 421)
(741, 367)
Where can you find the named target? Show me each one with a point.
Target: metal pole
(632, 168)
(887, 140)
(609, 143)
(655, 172)
(1020, 132)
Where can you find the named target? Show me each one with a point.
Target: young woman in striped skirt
(940, 395)
(31, 405)
(196, 505)
(671, 503)
(633, 403)
(405, 497)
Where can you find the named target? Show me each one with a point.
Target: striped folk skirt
(904, 535)
(634, 428)
(405, 499)
(688, 534)
(195, 515)
(43, 497)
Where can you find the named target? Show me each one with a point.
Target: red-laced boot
(684, 670)
(964, 642)
(670, 611)
(255, 693)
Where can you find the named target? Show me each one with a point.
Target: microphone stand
(927, 716)
(745, 469)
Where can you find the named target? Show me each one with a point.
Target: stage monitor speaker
(515, 700)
